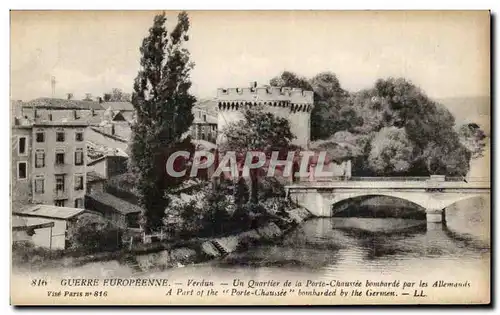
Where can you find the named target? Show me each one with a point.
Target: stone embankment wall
(220, 247)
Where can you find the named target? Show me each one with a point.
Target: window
(59, 183)
(78, 182)
(22, 170)
(60, 136)
(59, 158)
(40, 137)
(39, 185)
(204, 117)
(39, 159)
(79, 136)
(22, 146)
(79, 203)
(59, 203)
(79, 156)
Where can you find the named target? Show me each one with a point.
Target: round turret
(293, 104)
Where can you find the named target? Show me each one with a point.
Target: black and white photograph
(250, 157)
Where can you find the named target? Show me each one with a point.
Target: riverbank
(161, 255)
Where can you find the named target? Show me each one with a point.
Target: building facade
(293, 104)
(21, 163)
(49, 164)
(204, 125)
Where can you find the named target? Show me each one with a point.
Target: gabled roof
(115, 106)
(49, 211)
(118, 116)
(118, 204)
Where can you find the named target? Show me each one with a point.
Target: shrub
(26, 253)
(93, 233)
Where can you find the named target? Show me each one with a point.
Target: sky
(445, 53)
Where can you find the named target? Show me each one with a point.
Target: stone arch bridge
(432, 195)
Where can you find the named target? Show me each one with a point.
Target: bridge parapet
(396, 183)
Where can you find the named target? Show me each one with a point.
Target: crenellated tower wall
(293, 104)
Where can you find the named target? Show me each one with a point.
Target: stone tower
(290, 103)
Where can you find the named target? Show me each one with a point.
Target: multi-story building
(49, 162)
(204, 125)
(21, 162)
(294, 104)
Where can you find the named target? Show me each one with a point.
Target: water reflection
(329, 248)
(362, 244)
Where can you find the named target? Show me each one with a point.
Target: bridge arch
(448, 203)
(336, 205)
(320, 203)
(418, 200)
(425, 201)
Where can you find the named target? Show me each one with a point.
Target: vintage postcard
(250, 157)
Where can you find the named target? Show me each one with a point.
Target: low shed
(47, 225)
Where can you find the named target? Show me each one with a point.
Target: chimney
(253, 84)
(99, 99)
(69, 96)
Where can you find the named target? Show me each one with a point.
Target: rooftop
(116, 153)
(49, 211)
(114, 137)
(265, 93)
(116, 203)
(117, 106)
(93, 176)
(28, 123)
(58, 103)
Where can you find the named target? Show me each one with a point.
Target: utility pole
(53, 84)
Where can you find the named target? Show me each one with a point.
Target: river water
(332, 247)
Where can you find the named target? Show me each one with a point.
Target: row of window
(60, 183)
(60, 158)
(22, 167)
(40, 137)
(60, 136)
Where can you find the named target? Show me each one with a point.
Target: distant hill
(469, 109)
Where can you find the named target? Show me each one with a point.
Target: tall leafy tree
(259, 131)
(391, 152)
(163, 106)
(332, 111)
(473, 138)
(117, 95)
(429, 128)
